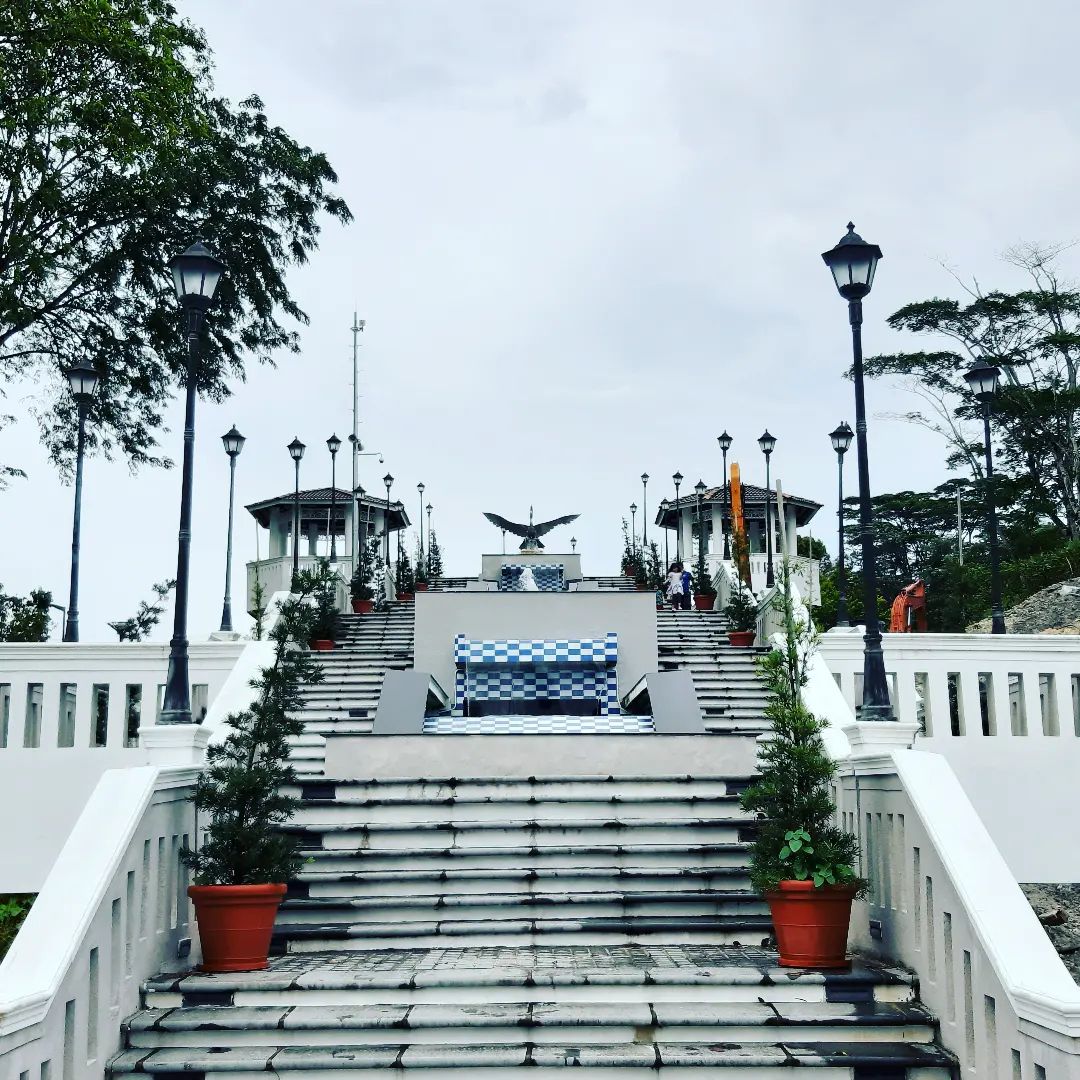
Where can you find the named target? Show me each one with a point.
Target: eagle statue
(531, 533)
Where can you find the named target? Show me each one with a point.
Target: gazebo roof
(752, 497)
(318, 499)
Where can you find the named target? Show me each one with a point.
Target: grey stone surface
(345, 1016)
(1055, 609)
(494, 1015)
(335, 1057)
(593, 1013)
(402, 703)
(675, 708)
(430, 1056)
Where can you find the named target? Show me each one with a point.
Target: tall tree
(114, 153)
(1034, 336)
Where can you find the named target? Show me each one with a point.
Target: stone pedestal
(872, 742)
(174, 744)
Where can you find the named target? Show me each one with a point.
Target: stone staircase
(729, 688)
(367, 646)
(496, 924)
(449, 584)
(614, 583)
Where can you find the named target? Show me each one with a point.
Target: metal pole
(71, 627)
(875, 702)
(422, 559)
(296, 522)
(333, 505)
(633, 528)
(176, 708)
(386, 525)
(841, 574)
(725, 517)
(678, 526)
(997, 615)
(770, 579)
(357, 328)
(959, 529)
(226, 608)
(644, 511)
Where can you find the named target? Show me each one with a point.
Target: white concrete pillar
(313, 538)
(716, 541)
(686, 531)
(279, 535)
(791, 532)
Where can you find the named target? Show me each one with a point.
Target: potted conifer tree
(243, 862)
(324, 582)
(801, 859)
(420, 576)
(361, 593)
(404, 580)
(741, 611)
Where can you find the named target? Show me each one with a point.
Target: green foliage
(435, 563)
(654, 568)
(25, 618)
(421, 574)
(240, 788)
(258, 595)
(323, 583)
(628, 562)
(360, 584)
(742, 611)
(792, 794)
(14, 908)
(148, 615)
(115, 152)
(404, 578)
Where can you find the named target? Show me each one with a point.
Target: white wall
(530, 616)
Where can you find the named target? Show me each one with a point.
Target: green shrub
(13, 910)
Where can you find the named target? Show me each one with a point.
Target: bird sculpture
(531, 533)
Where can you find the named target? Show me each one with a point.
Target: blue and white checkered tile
(548, 577)
(515, 684)
(596, 651)
(538, 725)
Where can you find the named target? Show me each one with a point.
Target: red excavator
(909, 609)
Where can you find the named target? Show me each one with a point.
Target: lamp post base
(874, 712)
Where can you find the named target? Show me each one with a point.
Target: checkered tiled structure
(538, 725)
(580, 669)
(549, 577)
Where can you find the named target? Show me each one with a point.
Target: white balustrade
(113, 911)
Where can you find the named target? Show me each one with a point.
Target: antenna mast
(357, 329)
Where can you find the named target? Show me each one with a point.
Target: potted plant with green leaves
(742, 614)
(324, 582)
(627, 561)
(801, 859)
(243, 861)
(404, 580)
(421, 577)
(361, 594)
(704, 590)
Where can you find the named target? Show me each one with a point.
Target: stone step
(421, 837)
(522, 882)
(516, 1023)
(621, 929)
(642, 856)
(472, 907)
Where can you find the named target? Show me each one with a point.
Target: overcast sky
(587, 239)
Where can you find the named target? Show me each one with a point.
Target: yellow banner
(740, 545)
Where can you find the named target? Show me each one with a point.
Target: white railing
(946, 905)
(972, 685)
(55, 695)
(805, 572)
(275, 576)
(113, 911)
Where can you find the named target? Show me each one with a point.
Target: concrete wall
(497, 616)
(492, 564)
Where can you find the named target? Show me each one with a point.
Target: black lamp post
(633, 526)
(644, 510)
(983, 380)
(841, 441)
(196, 274)
(233, 442)
(83, 380)
(420, 489)
(333, 444)
(699, 490)
(388, 480)
(428, 508)
(296, 452)
(664, 505)
(360, 557)
(573, 543)
(767, 443)
(853, 263)
(677, 478)
(725, 441)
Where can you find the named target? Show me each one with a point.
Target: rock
(1053, 610)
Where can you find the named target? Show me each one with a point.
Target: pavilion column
(716, 541)
(792, 540)
(686, 529)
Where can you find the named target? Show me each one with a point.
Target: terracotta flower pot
(321, 645)
(640, 587)
(235, 924)
(741, 638)
(421, 586)
(811, 924)
(406, 596)
(704, 603)
(362, 607)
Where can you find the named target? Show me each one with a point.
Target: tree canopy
(115, 153)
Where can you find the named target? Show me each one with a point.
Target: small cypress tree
(240, 788)
(798, 835)
(435, 566)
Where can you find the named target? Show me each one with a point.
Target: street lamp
(233, 442)
(767, 443)
(388, 481)
(573, 543)
(428, 508)
(196, 275)
(664, 504)
(296, 452)
(333, 444)
(83, 380)
(983, 381)
(633, 526)
(853, 263)
(644, 510)
(841, 441)
(699, 490)
(360, 556)
(725, 441)
(420, 489)
(678, 479)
